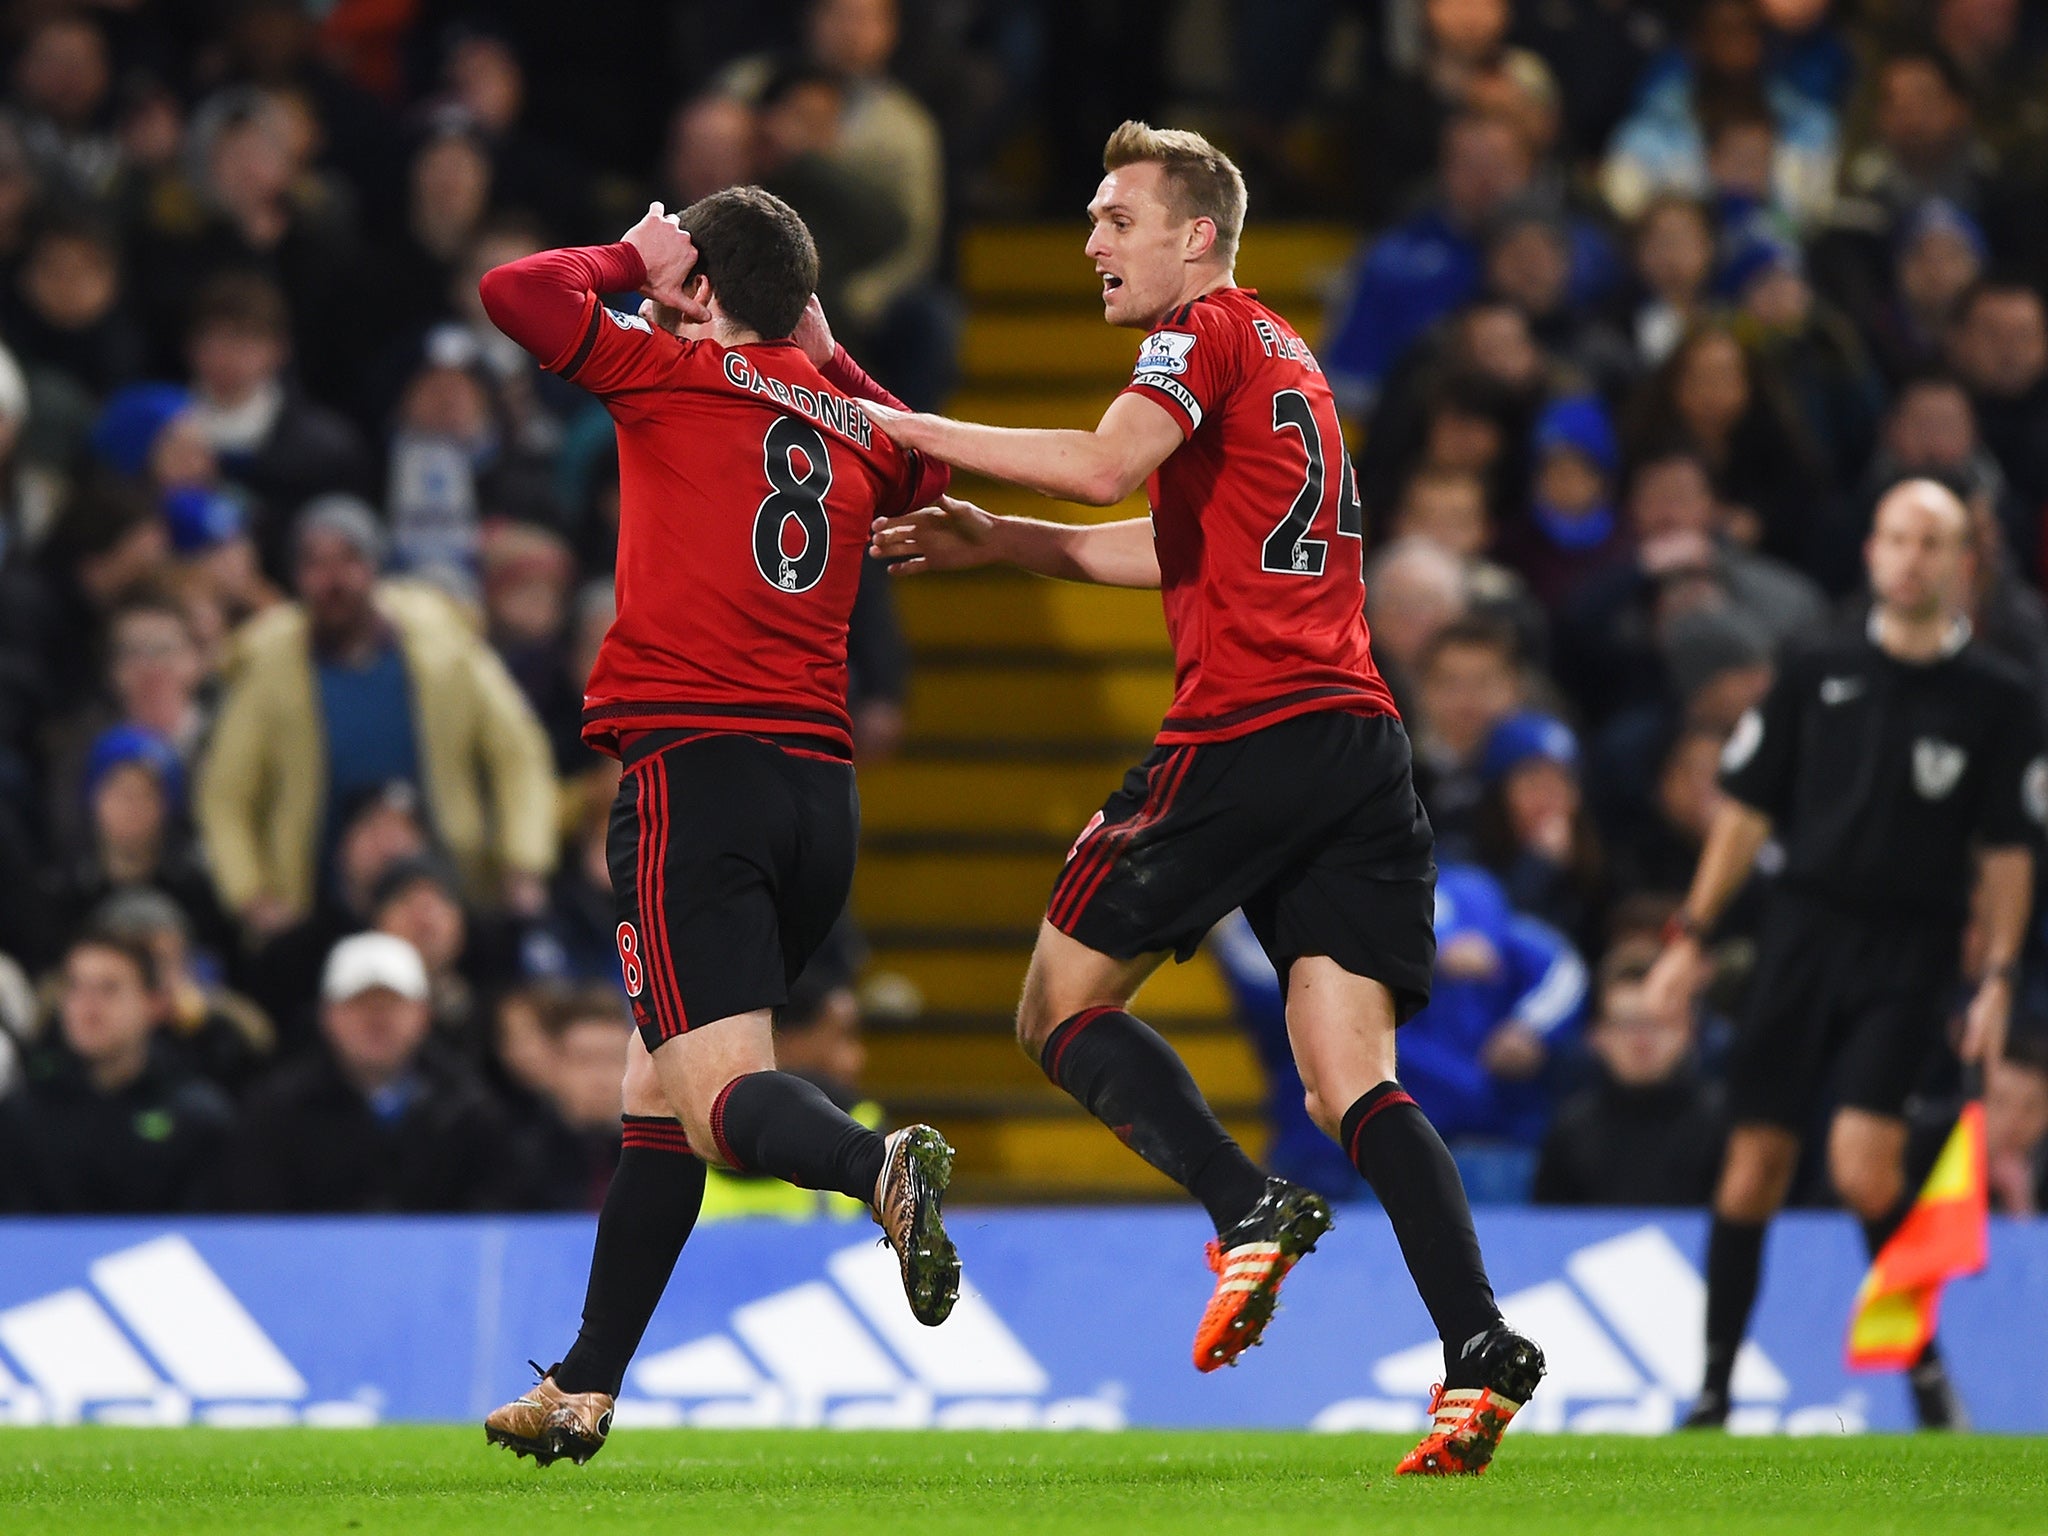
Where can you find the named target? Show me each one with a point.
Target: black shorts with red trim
(731, 858)
(1312, 826)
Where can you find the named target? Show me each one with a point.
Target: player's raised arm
(1097, 469)
(543, 301)
(957, 535)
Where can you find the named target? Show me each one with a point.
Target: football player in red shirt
(749, 475)
(1279, 782)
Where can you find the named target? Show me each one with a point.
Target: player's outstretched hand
(670, 255)
(890, 420)
(814, 334)
(955, 535)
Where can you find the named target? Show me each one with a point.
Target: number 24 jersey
(1257, 521)
(747, 484)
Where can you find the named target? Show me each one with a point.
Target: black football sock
(1398, 1152)
(786, 1127)
(1735, 1265)
(648, 1213)
(1130, 1079)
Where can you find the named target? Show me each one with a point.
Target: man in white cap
(380, 1119)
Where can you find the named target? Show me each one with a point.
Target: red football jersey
(747, 483)
(1258, 526)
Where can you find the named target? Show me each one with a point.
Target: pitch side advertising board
(1070, 1319)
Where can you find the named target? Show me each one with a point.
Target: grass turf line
(73, 1482)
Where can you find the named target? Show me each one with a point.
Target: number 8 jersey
(747, 483)
(1258, 526)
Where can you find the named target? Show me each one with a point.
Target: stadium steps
(977, 1062)
(1030, 700)
(978, 981)
(994, 611)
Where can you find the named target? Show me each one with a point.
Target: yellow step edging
(936, 891)
(989, 980)
(1224, 1067)
(1012, 611)
(984, 798)
(1029, 705)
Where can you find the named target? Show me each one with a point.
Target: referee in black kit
(1899, 771)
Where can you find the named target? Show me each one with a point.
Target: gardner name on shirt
(841, 415)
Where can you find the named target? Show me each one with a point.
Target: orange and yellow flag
(1946, 1234)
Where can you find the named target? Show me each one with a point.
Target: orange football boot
(1250, 1261)
(1466, 1423)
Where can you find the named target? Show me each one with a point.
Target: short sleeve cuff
(1179, 400)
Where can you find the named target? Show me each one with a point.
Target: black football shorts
(1312, 826)
(731, 858)
(1845, 1006)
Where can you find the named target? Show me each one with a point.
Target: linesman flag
(1946, 1234)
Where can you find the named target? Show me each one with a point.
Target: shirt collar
(1958, 636)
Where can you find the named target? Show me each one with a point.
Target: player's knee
(640, 1092)
(643, 1099)
(1328, 1119)
(1869, 1187)
(1753, 1183)
(1745, 1199)
(696, 1118)
(1033, 1027)
(1040, 1012)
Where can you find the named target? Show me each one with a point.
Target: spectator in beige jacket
(357, 685)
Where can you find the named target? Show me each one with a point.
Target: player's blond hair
(1201, 181)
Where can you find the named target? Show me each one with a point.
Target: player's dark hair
(758, 256)
(127, 946)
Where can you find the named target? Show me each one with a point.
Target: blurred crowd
(303, 897)
(1662, 299)
(303, 902)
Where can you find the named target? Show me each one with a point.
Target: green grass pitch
(70, 1482)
